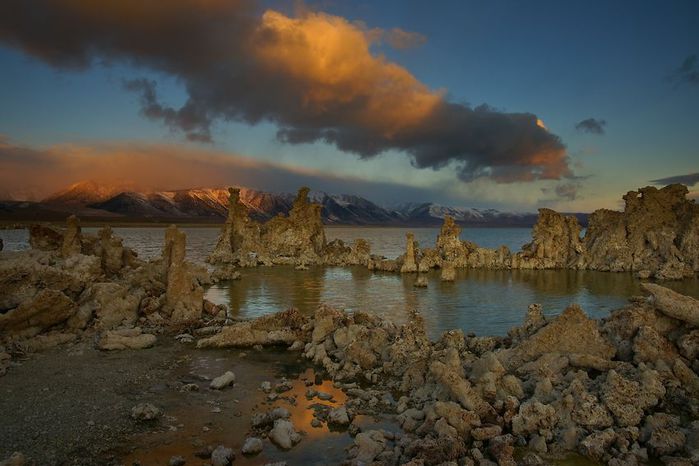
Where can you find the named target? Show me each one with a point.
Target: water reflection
(482, 301)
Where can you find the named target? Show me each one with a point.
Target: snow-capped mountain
(91, 199)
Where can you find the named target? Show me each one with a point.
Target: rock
(145, 412)
(177, 461)
(222, 456)
(72, 243)
(284, 435)
(448, 273)
(596, 444)
(184, 296)
(296, 239)
(338, 416)
(486, 432)
(252, 446)
(368, 445)
(115, 304)
(673, 304)
(122, 339)
(533, 416)
(281, 328)
(570, 332)
(46, 309)
(222, 381)
(627, 399)
(556, 243)
(409, 261)
(45, 238)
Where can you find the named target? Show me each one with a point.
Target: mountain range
(209, 205)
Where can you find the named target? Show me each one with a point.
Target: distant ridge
(209, 205)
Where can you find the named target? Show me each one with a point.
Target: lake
(485, 302)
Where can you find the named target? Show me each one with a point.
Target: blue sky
(562, 61)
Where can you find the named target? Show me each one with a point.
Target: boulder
(673, 304)
(284, 435)
(46, 309)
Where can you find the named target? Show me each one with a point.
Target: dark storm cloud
(314, 76)
(591, 125)
(688, 72)
(689, 180)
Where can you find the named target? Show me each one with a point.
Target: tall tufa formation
(410, 260)
(556, 243)
(657, 235)
(296, 239)
(184, 296)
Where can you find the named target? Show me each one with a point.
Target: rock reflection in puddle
(197, 419)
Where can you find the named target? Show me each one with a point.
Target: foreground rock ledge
(561, 385)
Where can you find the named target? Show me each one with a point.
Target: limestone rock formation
(656, 235)
(72, 241)
(298, 238)
(184, 295)
(409, 261)
(556, 243)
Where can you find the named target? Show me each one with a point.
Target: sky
(503, 104)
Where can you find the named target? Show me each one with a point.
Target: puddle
(194, 420)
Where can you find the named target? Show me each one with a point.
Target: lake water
(486, 302)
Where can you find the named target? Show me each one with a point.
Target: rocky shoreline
(655, 236)
(620, 390)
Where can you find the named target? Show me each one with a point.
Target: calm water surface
(487, 302)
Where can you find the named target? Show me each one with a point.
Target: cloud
(688, 72)
(591, 125)
(153, 167)
(403, 40)
(563, 191)
(689, 180)
(315, 76)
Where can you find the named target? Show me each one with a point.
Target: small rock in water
(177, 461)
(252, 446)
(284, 435)
(338, 416)
(222, 456)
(222, 381)
(316, 423)
(266, 386)
(324, 396)
(145, 412)
(298, 345)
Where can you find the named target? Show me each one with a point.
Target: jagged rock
(556, 243)
(368, 445)
(570, 332)
(130, 338)
(72, 242)
(45, 238)
(184, 295)
(673, 304)
(115, 304)
(280, 328)
(409, 261)
(655, 234)
(627, 399)
(296, 239)
(46, 309)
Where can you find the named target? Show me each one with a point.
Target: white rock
(252, 446)
(222, 381)
(284, 435)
